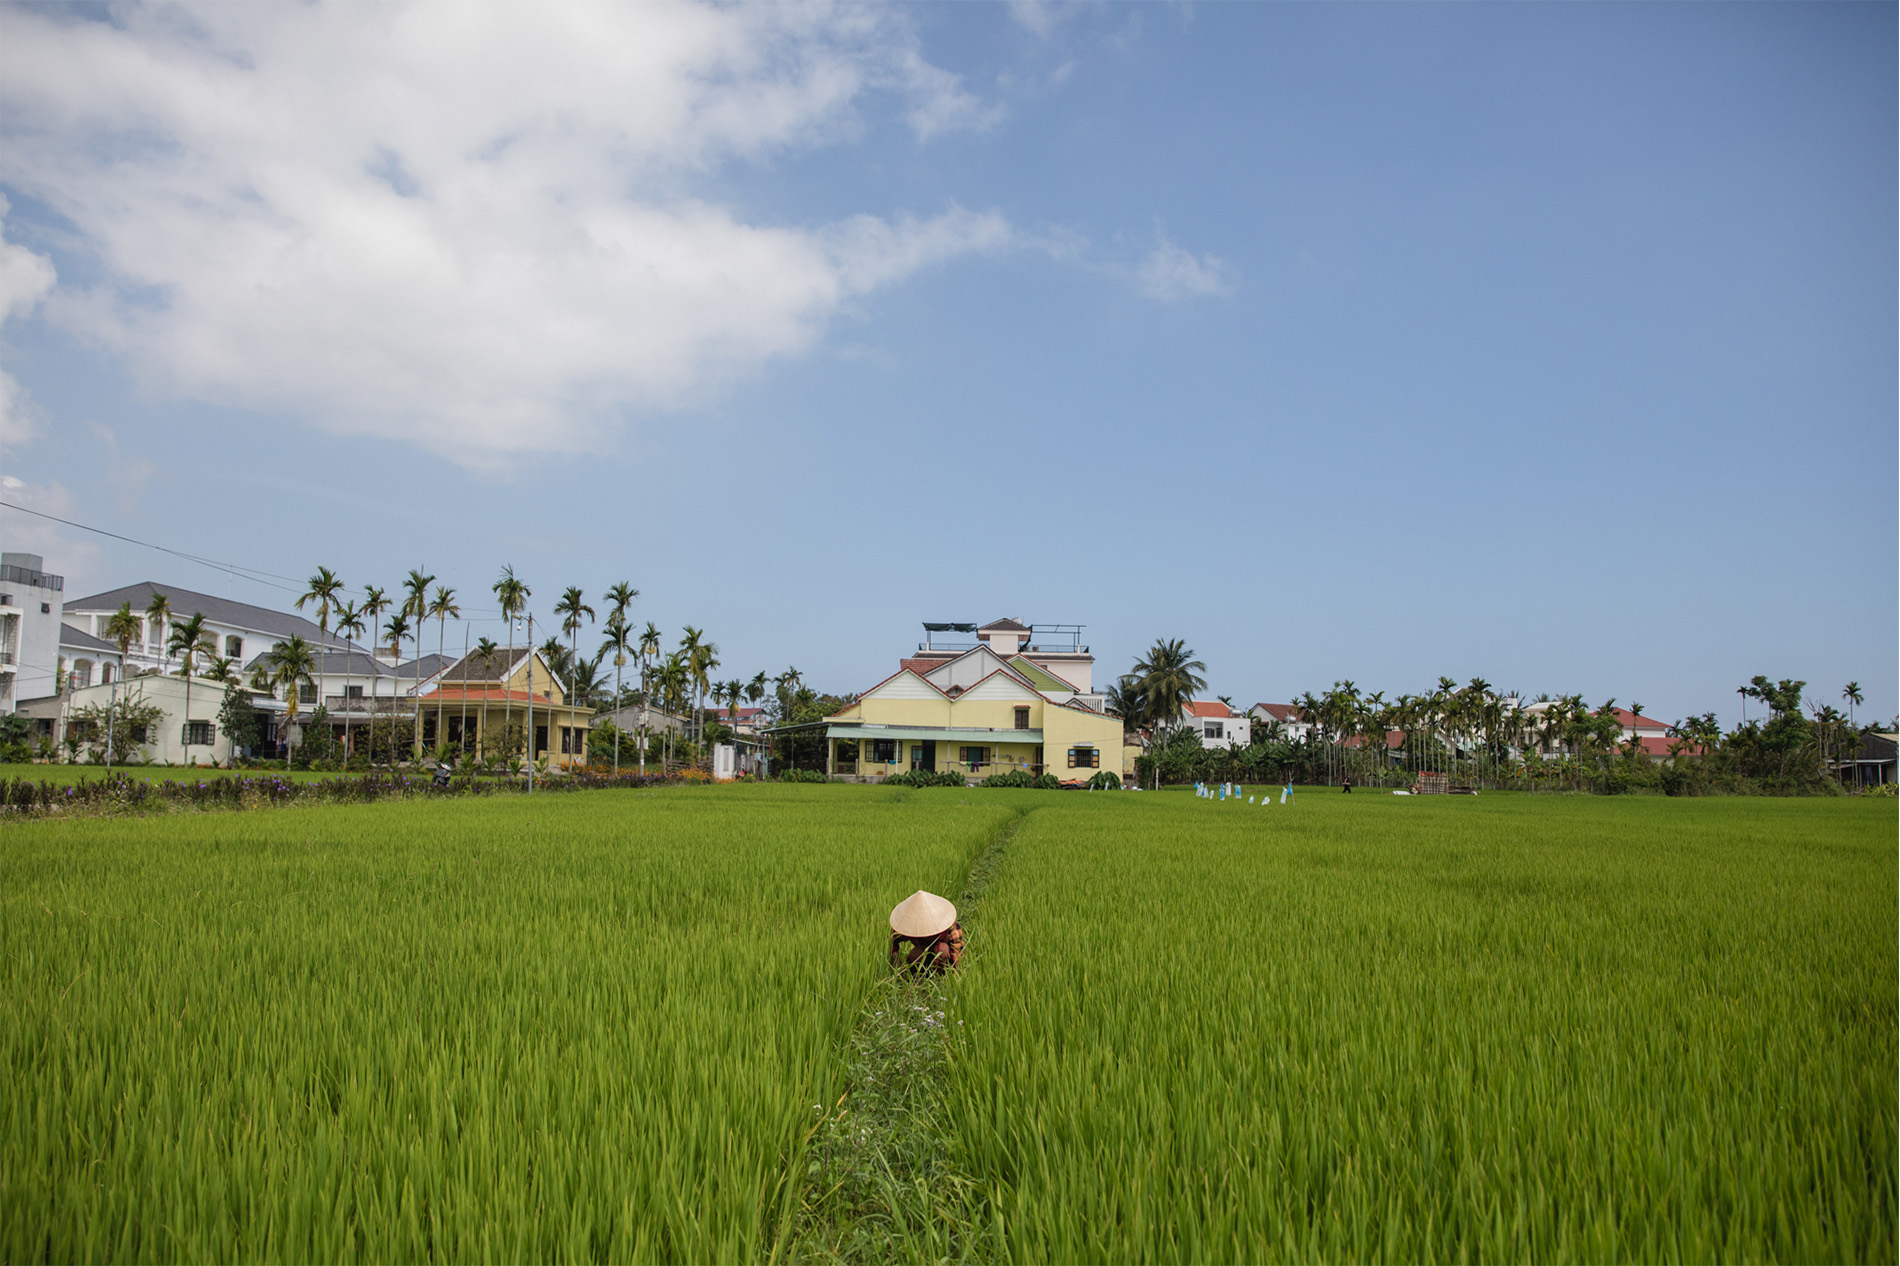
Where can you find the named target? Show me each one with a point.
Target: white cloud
(25, 279)
(1171, 273)
(75, 559)
(476, 227)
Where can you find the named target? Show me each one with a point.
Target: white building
(30, 610)
(1052, 656)
(177, 737)
(239, 631)
(1281, 719)
(1217, 724)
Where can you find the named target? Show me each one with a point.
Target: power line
(290, 584)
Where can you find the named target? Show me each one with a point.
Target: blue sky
(1553, 344)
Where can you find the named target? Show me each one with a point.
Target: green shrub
(1048, 782)
(925, 778)
(1107, 780)
(803, 775)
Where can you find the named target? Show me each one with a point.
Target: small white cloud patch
(1171, 273)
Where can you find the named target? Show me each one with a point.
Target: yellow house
(976, 713)
(476, 700)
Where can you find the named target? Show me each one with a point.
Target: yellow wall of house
(547, 687)
(1064, 728)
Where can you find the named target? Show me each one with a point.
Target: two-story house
(1217, 724)
(990, 708)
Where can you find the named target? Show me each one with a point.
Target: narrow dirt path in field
(878, 1186)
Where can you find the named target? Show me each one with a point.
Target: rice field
(605, 1025)
(580, 1027)
(1378, 1028)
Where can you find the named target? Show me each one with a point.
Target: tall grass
(1378, 1029)
(591, 1026)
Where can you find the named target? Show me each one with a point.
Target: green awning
(938, 733)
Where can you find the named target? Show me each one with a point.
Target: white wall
(165, 741)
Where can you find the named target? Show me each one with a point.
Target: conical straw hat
(922, 914)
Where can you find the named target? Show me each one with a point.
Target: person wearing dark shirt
(925, 934)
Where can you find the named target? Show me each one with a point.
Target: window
(138, 734)
(1216, 729)
(307, 692)
(82, 673)
(571, 741)
(352, 692)
(1085, 758)
(201, 733)
(46, 608)
(1022, 718)
(105, 674)
(884, 750)
(233, 646)
(974, 757)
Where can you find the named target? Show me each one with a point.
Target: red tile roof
(1628, 719)
(1207, 708)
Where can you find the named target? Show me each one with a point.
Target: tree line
(1476, 736)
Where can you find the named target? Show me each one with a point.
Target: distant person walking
(925, 934)
(1345, 785)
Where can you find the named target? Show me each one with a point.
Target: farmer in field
(925, 934)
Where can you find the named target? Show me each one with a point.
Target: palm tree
(571, 610)
(784, 686)
(704, 658)
(674, 679)
(188, 641)
(649, 648)
(1169, 675)
(290, 667)
(325, 590)
(485, 652)
(690, 639)
(395, 630)
(513, 596)
(350, 623)
(618, 642)
(1854, 698)
(219, 668)
(441, 607)
(158, 613)
(416, 606)
(375, 602)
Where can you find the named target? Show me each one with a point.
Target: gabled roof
(80, 640)
(497, 667)
(887, 681)
(186, 602)
(1038, 676)
(1279, 711)
(1207, 708)
(1628, 719)
(982, 650)
(1004, 625)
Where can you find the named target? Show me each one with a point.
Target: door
(930, 755)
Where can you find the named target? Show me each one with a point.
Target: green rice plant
(594, 1026)
(1376, 1028)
